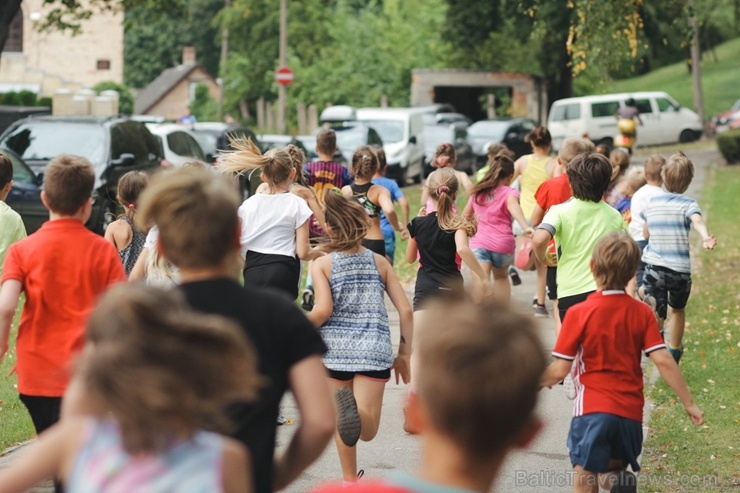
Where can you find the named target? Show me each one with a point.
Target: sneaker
(307, 299)
(514, 276)
(676, 353)
(348, 418)
(626, 483)
(569, 388)
(540, 311)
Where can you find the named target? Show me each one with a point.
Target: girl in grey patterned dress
(124, 235)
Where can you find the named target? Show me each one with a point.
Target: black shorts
(569, 301)
(428, 288)
(44, 411)
(346, 376)
(376, 246)
(262, 270)
(552, 283)
(668, 287)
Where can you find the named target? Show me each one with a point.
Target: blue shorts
(597, 438)
(497, 260)
(390, 244)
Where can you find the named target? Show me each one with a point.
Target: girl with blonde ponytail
(274, 224)
(494, 203)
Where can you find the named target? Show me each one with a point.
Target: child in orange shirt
(62, 268)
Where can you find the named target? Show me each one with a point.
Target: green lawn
(720, 80)
(675, 448)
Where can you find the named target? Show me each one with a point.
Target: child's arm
(645, 231)
(464, 180)
(540, 240)
(385, 202)
(402, 361)
(512, 203)
(139, 270)
(556, 372)
(537, 215)
(324, 305)
(313, 203)
(263, 188)
(404, 216)
(707, 240)
(236, 469)
(466, 254)
(10, 294)
(412, 251)
(468, 212)
(519, 166)
(670, 372)
(303, 246)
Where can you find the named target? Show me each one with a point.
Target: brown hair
(364, 162)
(589, 176)
(677, 173)
(501, 167)
(499, 149)
(445, 149)
(297, 157)
(276, 164)
(539, 137)
(326, 141)
(196, 214)
(635, 179)
(382, 161)
(6, 170)
(487, 370)
(620, 161)
(163, 370)
(615, 259)
(442, 187)
(573, 147)
(653, 166)
(347, 219)
(130, 186)
(68, 183)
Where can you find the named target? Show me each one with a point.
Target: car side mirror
(125, 159)
(412, 139)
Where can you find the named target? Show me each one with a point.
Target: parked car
(664, 121)
(726, 120)
(114, 145)
(509, 131)
(457, 135)
(269, 141)
(25, 194)
(179, 145)
(309, 142)
(353, 135)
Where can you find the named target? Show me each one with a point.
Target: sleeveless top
(532, 177)
(357, 333)
(102, 464)
(359, 192)
(131, 253)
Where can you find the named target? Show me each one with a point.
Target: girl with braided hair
(445, 157)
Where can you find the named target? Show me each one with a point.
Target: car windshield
(391, 131)
(489, 129)
(43, 141)
(208, 140)
(437, 134)
(349, 139)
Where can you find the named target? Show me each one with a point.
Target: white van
(402, 131)
(664, 121)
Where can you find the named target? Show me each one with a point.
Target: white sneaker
(569, 388)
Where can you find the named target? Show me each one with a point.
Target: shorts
(390, 245)
(346, 376)
(427, 288)
(376, 246)
(552, 283)
(569, 301)
(497, 260)
(595, 439)
(668, 287)
(262, 270)
(641, 266)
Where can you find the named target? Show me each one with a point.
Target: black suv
(114, 145)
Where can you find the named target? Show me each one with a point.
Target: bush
(125, 97)
(729, 145)
(45, 101)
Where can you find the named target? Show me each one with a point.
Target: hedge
(729, 145)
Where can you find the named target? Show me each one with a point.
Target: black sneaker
(626, 483)
(348, 418)
(307, 299)
(514, 276)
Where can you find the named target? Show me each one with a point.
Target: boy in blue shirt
(389, 234)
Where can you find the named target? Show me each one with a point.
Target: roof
(163, 84)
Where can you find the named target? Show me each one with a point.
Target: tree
(125, 98)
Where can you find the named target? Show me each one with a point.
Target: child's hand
(709, 242)
(404, 234)
(696, 415)
(551, 258)
(529, 232)
(402, 367)
(422, 211)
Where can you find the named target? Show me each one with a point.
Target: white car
(179, 146)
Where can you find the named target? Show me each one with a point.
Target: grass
(675, 448)
(719, 80)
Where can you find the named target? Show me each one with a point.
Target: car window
(566, 112)
(177, 143)
(643, 105)
(665, 104)
(43, 141)
(132, 138)
(390, 131)
(195, 149)
(605, 108)
(460, 134)
(21, 174)
(489, 129)
(527, 126)
(374, 139)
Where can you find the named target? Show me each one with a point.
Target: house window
(103, 64)
(14, 42)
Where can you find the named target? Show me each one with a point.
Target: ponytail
(442, 187)
(501, 167)
(276, 164)
(297, 158)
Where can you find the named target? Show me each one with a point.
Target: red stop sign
(284, 76)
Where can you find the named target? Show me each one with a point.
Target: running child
(494, 204)
(373, 198)
(124, 235)
(493, 151)
(653, 167)
(11, 224)
(351, 317)
(149, 437)
(605, 336)
(389, 234)
(444, 157)
(620, 161)
(668, 220)
(275, 223)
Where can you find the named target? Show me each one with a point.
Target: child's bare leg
(369, 397)
(584, 481)
(677, 326)
(501, 285)
(632, 287)
(347, 455)
(541, 282)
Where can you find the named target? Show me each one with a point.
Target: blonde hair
(615, 259)
(635, 178)
(364, 162)
(442, 187)
(572, 147)
(297, 157)
(653, 166)
(678, 173)
(276, 164)
(68, 183)
(486, 370)
(196, 214)
(163, 370)
(347, 219)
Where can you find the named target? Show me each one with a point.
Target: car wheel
(687, 136)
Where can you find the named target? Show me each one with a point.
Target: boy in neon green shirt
(11, 225)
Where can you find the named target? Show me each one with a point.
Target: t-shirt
(282, 337)
(553, 192)
(11, 230)
(605, 336)
(494, 221)
(269, 222)
(638, 205)
(323, 175)
(436, 247)
(396, 194)
(534, 174)
(63, 268)
(576, 226)
(668, 217)
(395, 483)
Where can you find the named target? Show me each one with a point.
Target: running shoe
(307, 299)
(540, 311)
(569, 388)
(348, 418)
(514, 275)
(626, 483)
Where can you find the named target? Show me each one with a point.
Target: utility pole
(696, 63)
(282, 96)
(222, 64)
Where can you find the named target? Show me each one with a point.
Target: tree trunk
(8, 11)
(696, 64)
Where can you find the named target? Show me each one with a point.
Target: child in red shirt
(602, 339)
(62, 268)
